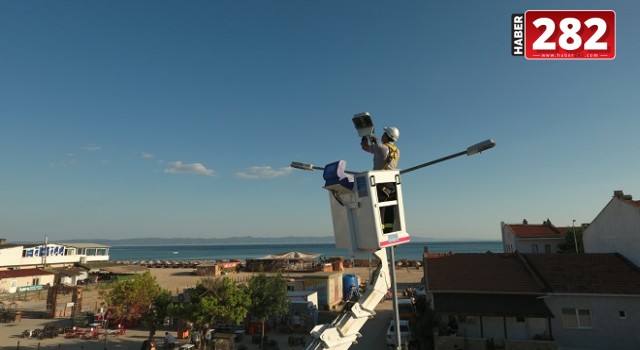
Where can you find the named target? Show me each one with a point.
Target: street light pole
(575, 238)
(394, 300)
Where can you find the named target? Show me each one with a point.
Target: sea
(408, 251)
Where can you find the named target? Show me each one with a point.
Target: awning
(291, 256)
(500, 305)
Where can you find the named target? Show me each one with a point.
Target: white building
(12, 281)
(532, 238)
(22, 256)
(536, 301)
(616, 229)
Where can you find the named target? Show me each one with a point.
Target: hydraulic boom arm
(345, 329)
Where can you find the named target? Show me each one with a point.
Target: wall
(508, 239)
(615, 230)
(328, 286)
(525, 245)
(7, 285)
(609, 331)
(10, 257)
(529, 345)
(493, 328)
(442, 343)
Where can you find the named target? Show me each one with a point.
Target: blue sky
(128, 119)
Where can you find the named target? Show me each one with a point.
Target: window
(520, 319)
(534, 248)
(547, 248)
(576, 318)
(622, 314)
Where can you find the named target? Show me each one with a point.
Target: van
(405, 335)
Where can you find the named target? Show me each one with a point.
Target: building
(12, 281)
(27, 267)
(543, 301)
(491, 297)
(216, 269)
(616, 229)
(23, 256)
(69, 275)
(595, 299)
(532, 238)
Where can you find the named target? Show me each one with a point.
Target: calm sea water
(410, 251)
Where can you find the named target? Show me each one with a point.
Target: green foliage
(140, 298)
(569, 244)
(268, 295)
(158, 310)
(133, 297)
(213, 300)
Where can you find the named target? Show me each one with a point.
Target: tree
(158, 312)
(268, 297)
(213, 300)
(140, 299)
(569, 244)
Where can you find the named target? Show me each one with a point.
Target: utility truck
(361, 224)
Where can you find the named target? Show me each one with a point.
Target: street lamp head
(301, 166)
(480, 147)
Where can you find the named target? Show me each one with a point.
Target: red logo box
(570, 35)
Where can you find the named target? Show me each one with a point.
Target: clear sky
(124, 119)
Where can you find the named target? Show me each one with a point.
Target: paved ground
(374, 336)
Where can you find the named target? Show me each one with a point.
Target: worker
(169, 341)
(385, 157)
(386, 154)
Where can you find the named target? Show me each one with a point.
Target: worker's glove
(373, 139)
(364, 140)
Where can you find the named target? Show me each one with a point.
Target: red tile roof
(633, 203)
(608, 273)
(23, 273)
(489, 272)
(537, 231)
(587, 273)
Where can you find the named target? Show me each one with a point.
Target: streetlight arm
(311, 167)
(304, 166)
(420, 166)
(477, 148)
(471, 150)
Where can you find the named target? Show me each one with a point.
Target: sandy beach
(177, 279)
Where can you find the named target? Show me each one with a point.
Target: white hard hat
(392, 132)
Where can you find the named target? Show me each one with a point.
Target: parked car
(51, 331)
(405, 335)
(406, 309)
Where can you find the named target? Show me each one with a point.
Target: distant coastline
(157, 241)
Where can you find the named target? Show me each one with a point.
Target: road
(374, 332)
